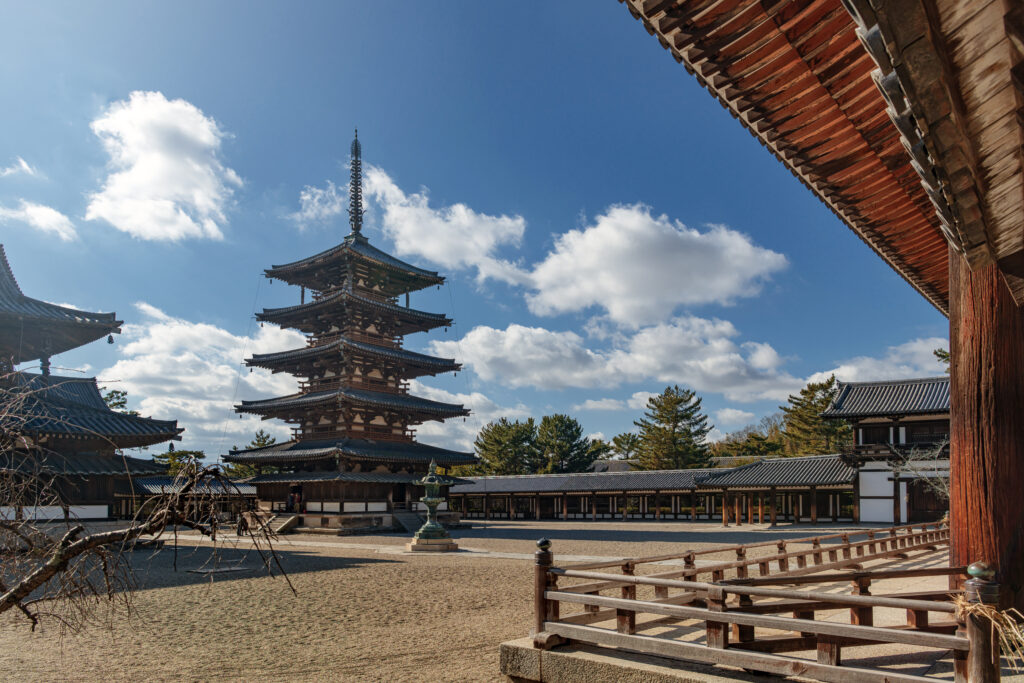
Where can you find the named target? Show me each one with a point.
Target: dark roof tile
(890, 398)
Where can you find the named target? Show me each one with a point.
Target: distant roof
(358, 477)
(79, 464)
(800, 472)
(379, 399)
(31, 329)
(155, 486)
(360, 449)
(891, 398)
(654, 480)
(811, 470)
(72, 407)
(304, 270)
(307, 353)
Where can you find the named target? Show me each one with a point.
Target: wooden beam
(986, 433)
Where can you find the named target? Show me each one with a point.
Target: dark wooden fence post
(862, 616)
(625, 620)
(717, 631)
(983, 657)
(543, 559)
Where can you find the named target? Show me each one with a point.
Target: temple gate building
(65, 432)
(353, 457)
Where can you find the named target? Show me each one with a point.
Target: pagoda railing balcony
(376, 339)
(314, 385)
(376, 432)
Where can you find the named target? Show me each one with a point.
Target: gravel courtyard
(364, 610)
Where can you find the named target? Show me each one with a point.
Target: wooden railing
(729, 612)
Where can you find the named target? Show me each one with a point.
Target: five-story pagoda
(353, 453)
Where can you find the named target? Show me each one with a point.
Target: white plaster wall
(876, 510)
(875, 483)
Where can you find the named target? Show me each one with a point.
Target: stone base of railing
(522, 661)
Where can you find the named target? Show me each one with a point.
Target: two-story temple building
(353, 459)
(897, 424)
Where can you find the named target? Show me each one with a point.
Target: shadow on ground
(187, 565)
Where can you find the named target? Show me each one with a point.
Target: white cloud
(19, 166)
(695, 352)
(733, 416)
(191, 372)
(638, 401)
(903, 361)
(42, 218)
(454, 237)
(167, 180)
(640, 267)
(601, 404)
(456, 433)
(319, 204)
(520, 356)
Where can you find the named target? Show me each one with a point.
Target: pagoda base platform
(432, 545)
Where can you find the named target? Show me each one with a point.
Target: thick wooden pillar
(593, 506)
(986, 336)
(771, 507)
(814, 505)
(760, 508)
(657, 505)
(536, 506)
(725, 509)
(565, 506)
(738, 504)
(693, 506)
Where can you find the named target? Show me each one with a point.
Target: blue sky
(606, 227)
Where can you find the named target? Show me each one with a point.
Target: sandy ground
(364, 610)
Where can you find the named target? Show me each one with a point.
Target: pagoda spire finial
(355, 188)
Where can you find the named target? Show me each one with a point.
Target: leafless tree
(61, 569)
(928, 465)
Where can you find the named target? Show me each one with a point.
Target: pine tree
(174, 460)
(626, 445)
(236, 470)
(806, 432)
(506, 447)
(117, 400)
(673, 432)
(562, 445)
(599, 449)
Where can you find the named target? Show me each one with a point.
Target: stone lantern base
(432, 545)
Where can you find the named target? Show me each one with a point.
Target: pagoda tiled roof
(391, 353)
(890, 398)
(78, 464)
(32, 329)
(346, 296)
(356, 477)
(361, 449)
(354, 246)
(380, 399)
(72, 407)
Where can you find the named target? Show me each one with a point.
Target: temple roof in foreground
(155, 486)
(79, 464)
(31, 329)
(360, 449)
(795, 75)
(72, 407)
(796, 472)
(306, 271)
(890, 398)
